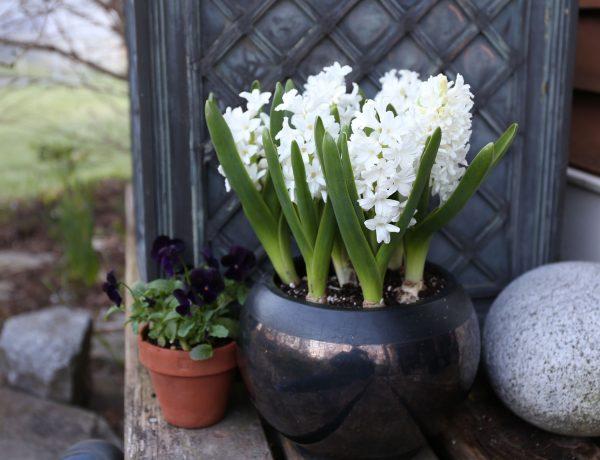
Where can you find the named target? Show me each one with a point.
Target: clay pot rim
(178, 362)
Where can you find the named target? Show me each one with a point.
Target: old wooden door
(516, 54)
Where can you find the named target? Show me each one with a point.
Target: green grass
(96, 123)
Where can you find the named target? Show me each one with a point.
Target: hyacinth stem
(317, 269)
(284, 267)
(416, 250)
(341, 264)
(397, 258)
(350, 228)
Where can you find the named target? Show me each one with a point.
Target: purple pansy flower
(240, 261)
(111, 288)
(207, 282)
(167, 252)
(185, 304)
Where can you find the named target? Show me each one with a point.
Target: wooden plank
(587, 64)
(482, 428)
(148, 436)
(292, 453)
(585, 136)
(589, 4)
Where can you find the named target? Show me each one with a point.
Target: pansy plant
(191, 309)
(362, 183)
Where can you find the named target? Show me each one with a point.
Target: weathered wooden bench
(481, 428)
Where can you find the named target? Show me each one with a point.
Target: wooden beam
(482, 428)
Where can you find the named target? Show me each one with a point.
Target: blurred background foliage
(62, 80)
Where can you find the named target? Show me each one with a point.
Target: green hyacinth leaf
(503, 143)
(276, 116)
(270, 197)
(323, 247)
(306, 205)
(287, 207)
(289, 84)
(351, 186)
(319, 133)
(352, 234)
(255, 208)
(419, 187)
(468, 185)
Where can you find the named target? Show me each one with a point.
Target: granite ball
(541, 347)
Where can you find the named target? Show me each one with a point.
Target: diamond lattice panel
(271, 40)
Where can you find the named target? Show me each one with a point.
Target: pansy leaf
(231, 324)
(172, 315)
(171, 330)
(201, 352)
(161, 286)
(111, 311)
(185, 328)
(218, 330)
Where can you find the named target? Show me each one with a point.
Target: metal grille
(230, 43)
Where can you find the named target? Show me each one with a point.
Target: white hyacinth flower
(322, 92)
(385, 145)
(429, 104)
(384, 157)
(246, 127)
(399, 88)
(380, 224)
(447, 105)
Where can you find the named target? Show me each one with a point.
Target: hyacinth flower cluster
(363, 183)
(191, 308)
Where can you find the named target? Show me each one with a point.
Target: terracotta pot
(191, 394)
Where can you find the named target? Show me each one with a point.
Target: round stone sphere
(541, 347)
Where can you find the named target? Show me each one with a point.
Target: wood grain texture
(585, 136)
(482, 428)
(587, 65)
(148, 436)
(292, 452)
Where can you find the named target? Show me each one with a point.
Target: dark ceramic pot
(355, 384)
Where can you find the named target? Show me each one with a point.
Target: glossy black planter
(357, 383)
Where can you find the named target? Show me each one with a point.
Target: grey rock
(35, 429)
(108, 339)
(45, 353)
(20, 261)
(541, 347)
